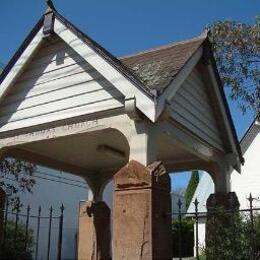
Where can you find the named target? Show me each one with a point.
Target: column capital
(135, 175)
(227, 201)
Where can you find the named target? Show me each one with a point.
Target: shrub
(187, 237)
(17, 250)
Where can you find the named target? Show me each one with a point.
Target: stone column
(142, 213)
(221, 219)
(2, 206)
(94, 239)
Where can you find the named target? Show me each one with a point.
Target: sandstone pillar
(142, 213)
(94, 240)
(221, 223)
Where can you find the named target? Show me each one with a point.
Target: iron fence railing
(229, 234)
(24, 233)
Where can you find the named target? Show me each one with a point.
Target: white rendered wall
(249, 180)
(243, 184)
(201, 235)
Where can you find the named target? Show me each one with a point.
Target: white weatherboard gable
(20, 63)
(56, 84)
(143, 102)
(28, 104)
(171, 90)
(191, 107)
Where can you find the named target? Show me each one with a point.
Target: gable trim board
(124, 80)
(223, 105)
(250, 135)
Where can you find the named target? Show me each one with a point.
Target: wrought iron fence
(229, 234)
(25, 233)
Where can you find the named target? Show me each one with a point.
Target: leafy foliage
(193, 183)
(17, 250)
(16, 176)
(187, 237)
(236, 48)
(232, 236)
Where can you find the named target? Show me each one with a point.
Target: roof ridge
(165, 46)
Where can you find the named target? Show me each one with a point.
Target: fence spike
(196, 203)
(59, 257)
(38, 231)
(27, 227)
(49, 234)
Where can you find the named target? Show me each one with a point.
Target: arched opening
(190, 185)
(64, 166)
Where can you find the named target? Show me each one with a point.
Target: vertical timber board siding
(192, 108)
(57, 84)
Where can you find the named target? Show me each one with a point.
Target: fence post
(251, 199)
(38, 232)
(180, 229)
(2, 208)
(60, 232)
(5, 224)
(27, 227)
(76, 245)
(196, 203)
(49, 234)
(16, 225)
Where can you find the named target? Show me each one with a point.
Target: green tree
(230, 235)
(193, 183)
(16, 176)
(236, 48)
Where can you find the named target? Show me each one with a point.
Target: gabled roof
(158, 67)
(103, 52)
(144, 72)
(150, 69)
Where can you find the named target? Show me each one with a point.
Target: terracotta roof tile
(157, 67)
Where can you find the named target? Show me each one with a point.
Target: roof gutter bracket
(131, 109)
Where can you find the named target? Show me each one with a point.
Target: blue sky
(124, 27)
